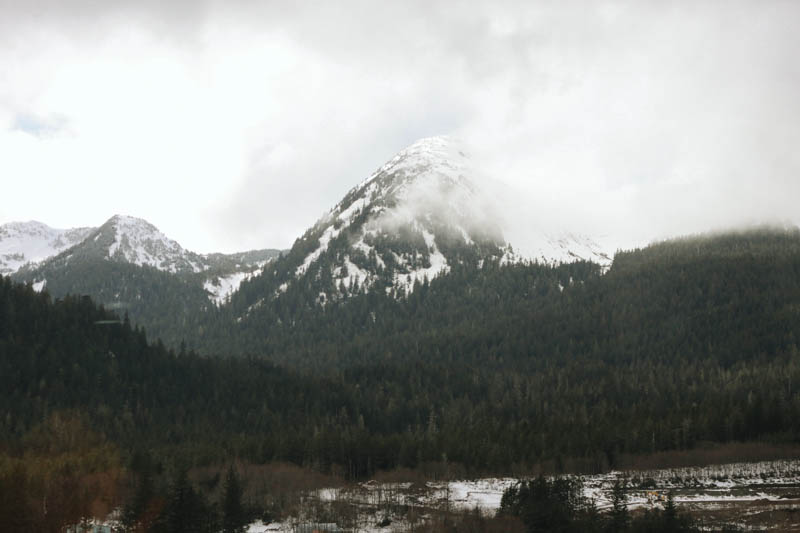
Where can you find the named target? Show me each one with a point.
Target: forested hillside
(679, 343)
(515, 367)
(128, 265)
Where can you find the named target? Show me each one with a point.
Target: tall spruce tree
(619, 518)
(186, 511)
(234, 519)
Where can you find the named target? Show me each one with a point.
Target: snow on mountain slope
(411, 220)
(566, 248)
(136, 241)
(221, 287)
(121, 239)
(22, 243)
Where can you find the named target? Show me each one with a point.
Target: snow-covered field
(744, 488)
(749, 496)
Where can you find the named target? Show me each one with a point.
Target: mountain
(421, 215)
(678, 345)
(26, 243)
(683, 350)
(129, 265)
(414, 218)
(136, 241)
(417, 217)
(126, 240)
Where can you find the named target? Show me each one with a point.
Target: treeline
(683, 342)
(727, 298)
(499, 369)
(559, 505)
(72, 355)
(171, 306)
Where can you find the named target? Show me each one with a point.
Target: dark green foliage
(63, 355)
(545, 505)
(234, 519)
(171, 306)
(619, 519)
(492, 367)
(557, 505)
(140, 511)
(186, 510)
(670, 520)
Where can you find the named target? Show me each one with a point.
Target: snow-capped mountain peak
(23, 243)
(411, 220)
(121, 240)
(136, 241)
(416, 217)
(441, 157)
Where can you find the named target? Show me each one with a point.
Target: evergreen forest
(490, 369)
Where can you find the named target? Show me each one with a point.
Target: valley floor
(740, 496)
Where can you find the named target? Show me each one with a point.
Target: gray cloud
(636, 120)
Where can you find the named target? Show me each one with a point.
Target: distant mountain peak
(414, 218)
(27, 243)
(137, 241)
(443, 155)
(120, 240)
(418, 216)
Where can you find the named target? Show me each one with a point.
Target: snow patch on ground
(367, 249)
(326, 237)
(219, 289)
(767, 481)
(351, 274)
(438, 266)
(483, 494)
(736, 482)
(566, 247)
(509, 257)
(346, 215)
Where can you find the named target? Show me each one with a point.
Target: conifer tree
(233, 515)
(619, 519)
(186, 512)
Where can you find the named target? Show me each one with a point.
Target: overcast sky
(235, 125)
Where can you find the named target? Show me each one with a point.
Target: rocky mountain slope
(26, 243)
(130, 266)
(421, 215)
(125, 240)
(418, 216)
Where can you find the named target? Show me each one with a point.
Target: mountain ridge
(416, 217)
(25, 243)
(130, 240)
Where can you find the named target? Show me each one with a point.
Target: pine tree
(134, 512)
(186, 511)
(233, 515)
(670, 512)
(619, 518)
